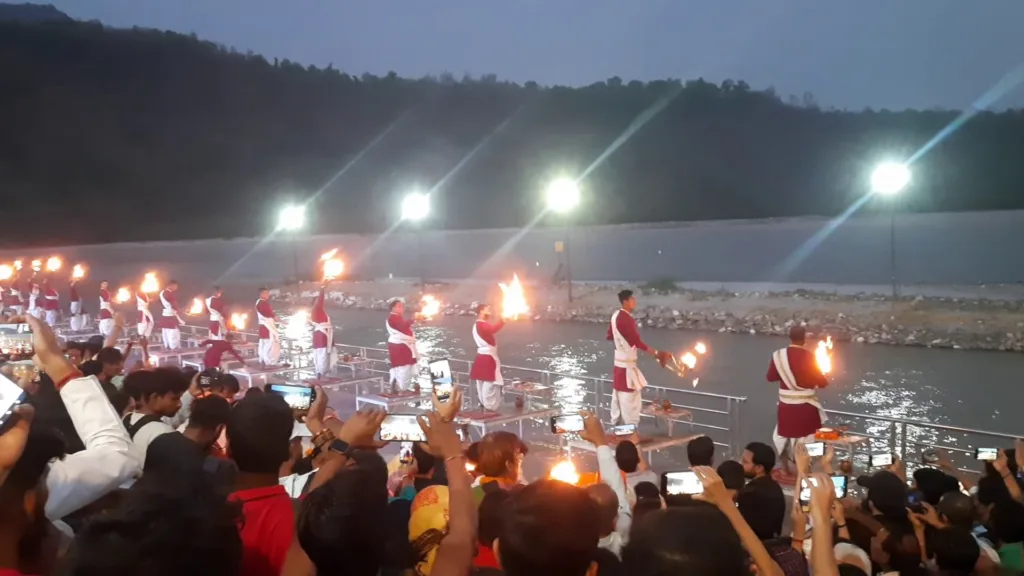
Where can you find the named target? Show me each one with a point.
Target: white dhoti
(77, 320)
(322, 361)
(627, 406)
(106, 326)
(405, 376)
(37, 312)
(783, 445)
(490, 394)
(145, 328)
(76, 308)
(171, 338)
(270, 350)
(18, 309)
(52, 317)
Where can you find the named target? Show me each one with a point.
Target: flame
(565, 471)
(688, 360)
(823, 355)
(123, 295)
(149, 283)
(429, 306)
(6, 271)
(700, 348)
(238, 321)
(197, 307)
(295, 328)
(328, 255)
(333, 268)
(17, 265)
(53, 263)
(470, 467)
(37, 265)
(78, 272)
(513, 302)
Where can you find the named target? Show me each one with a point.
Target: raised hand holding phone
(593, 431)
(317, 411)
(47, 349)
(442, 439)
(448, 409)
(359, 430)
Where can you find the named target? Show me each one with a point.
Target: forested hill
(109, 135)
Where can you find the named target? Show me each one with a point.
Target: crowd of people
(160, 471)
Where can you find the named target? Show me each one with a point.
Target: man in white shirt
(157, 395)
(611, 478)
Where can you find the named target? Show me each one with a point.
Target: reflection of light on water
(570, 393)
(296, 327)
(895, 394)
(564, 359)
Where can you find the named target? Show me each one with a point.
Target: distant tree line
(119, 135)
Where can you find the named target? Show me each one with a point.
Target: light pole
(291, 219)
(563, 196)
(889, 179)
(415, 209)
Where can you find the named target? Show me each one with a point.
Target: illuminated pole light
(416, 208)
(563, 196)
(889, 179)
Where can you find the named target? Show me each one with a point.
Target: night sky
(849, 53)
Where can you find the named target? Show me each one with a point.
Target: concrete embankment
(978, 318)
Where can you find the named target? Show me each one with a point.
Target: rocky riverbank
(959, 323)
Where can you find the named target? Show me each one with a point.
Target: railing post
(892, 438)
(903, 441)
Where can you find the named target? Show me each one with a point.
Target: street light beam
(563, 195)
(292, 217)
(415, 206)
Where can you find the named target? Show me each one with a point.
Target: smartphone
(986, 454)
(298, 397)
(405, 454)
(401, 428)
(815, 449)
(443, 391)
(623, 430)
(16, 341)
(208, 377)
(11, 395)
(839, 483)
(881, 460)
(915, 501)
(687, 482)
(566, 423)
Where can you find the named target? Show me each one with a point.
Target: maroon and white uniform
(215, 305)
(170, 320)
(12, 298)
(145, 320)
(323, 333)
(486, 369)
(627, 380)
(270, 340)
(401, 350)
(51, 303)
(35, 297)
(75, 307)
(796, 371)
(106, 313)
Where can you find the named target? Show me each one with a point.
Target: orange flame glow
(823, 355)
(238, 321)
(53, 263)
(123, 295)
(197, 307)
(149, 283)
(429, 306)
(37, 265)
(565, 471)
(78, 272)
(513, 302)
(17, 265)
(6, 271)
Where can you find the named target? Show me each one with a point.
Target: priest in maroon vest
(795, 370)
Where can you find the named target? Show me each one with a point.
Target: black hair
(91, 348)
(956, 550)
(934, 484)
(342, 525)
(425, 461)
(259, 432)
(163, 528)
(762, 455)
(226, 384)
(189, 372)
(625, 295)
(209, 413)
(91, 368)
(73, 346)
(491, 512)
(1006, 522)
(903, 549)
(958, 509)
(143, 384)
(607, 506)
(701, 451)
(550, 528)
(645, 506)
(696, 539)
(216, 288)
(731, 473)
(627, 456)
(41, 447)
(172, 281)
(647, 490)
(109, 355)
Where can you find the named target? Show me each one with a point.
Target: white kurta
(404, 376)
(269, 348)
(489, 393)
(171, 336)
(106, 325)
(626, 405)
(217, 317)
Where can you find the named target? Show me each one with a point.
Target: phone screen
(10, 396)
(986, 454)
(298, 397)
(878, 460)
(681, 483)
(623, 430)
(16, 341)
(566, 423)
(405, 453)
(839, 483)
(401, 428)
(443, 391)
(815, 449)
